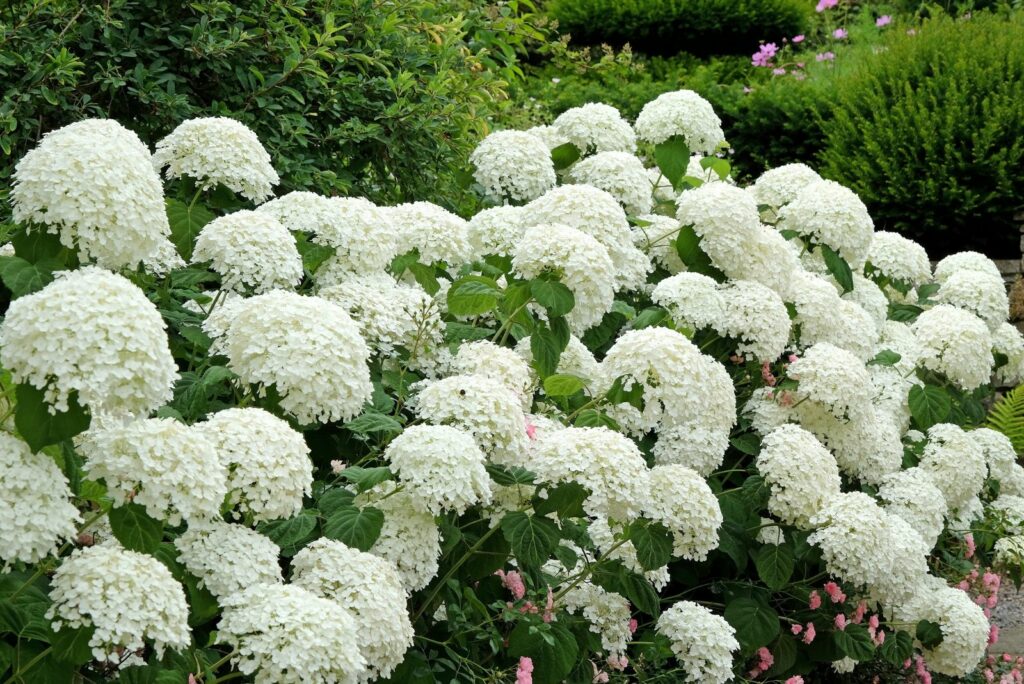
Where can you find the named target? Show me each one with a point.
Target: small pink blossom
(766, 367)
(779, 71)
(799, 38)
(796, 629)
(792, 358)
(858, 614)
(747, 90)
(632, 625)
(971, 547)
(825, 56)
(337, 467)
(512, 581)
(795, 679)
(524, 673)
(764, 54)
(840, 34)
(883, 20)
(826, 4)
(835, 592)
(618, 663)
(600, 676)
(765, 659)
(993, 634)
(531, 430)
(191, 678)
(922, 670)
(549, 607)
(787, 399)
(879, 638)
(840, 622)
(814, 602)
(1007, 657)
(809, 633)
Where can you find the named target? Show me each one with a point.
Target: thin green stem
(29, 665)
(588, 571)
(448, 575)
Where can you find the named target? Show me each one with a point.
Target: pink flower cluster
(765, 660)
(983, 588)
(826, 4)
(524, 673)
(1006, 669)
(764, 54)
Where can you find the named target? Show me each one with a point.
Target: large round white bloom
(681, 500)
(703, 642)
(127, 597)
(513, 165)
(909, 563)
(1000, 456)
(228, 558)
(496, 230)
(170, 468)
(595, 127)
(656, 238)
(409, 538)
(608, 464)
(912, 495)
(498, 363)
(365, 239)
(307, 347)
(834, 379)
(956, 462)
(778, 187)
(828, 213)
(756, 317)
(822, 316)
(583, 261)
(1008, 341)
(441, 467)
(92, 184)
(607, 612)
(35, 504)
(955, 343)
(693, 299)
(979, 292)
(867, 446)
(847, 526)
(684, 113)
(218, 150)
(802, 476)
(285, 634)
(964, 261)
(300, 210)
(251, 251)
(619, 173)
(899, 259)
(438, 234)
(93, 333)
(370, 589)
(268, 464)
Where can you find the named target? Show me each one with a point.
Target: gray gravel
(1009, 612)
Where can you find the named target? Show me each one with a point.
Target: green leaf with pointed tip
(775, 565)
(135, 529)
(533, 538)
(563, 385)
(565, 155)
(929, 405)
(672, 157)
(355, 527)
(38, 427)
(838, 267)
(186, 222)
(553, 296)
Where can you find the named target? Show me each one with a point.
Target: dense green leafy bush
(930, 132)
(376, 98)
(670, 26)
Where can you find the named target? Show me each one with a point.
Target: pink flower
(809, 633)
(825, 56)
(191, 678)
(549, 607)
(796, 629)
(632, 625)
(814, 602)
(766, 367)
(840, 622)
(600, 677)
(531, 430)
(779, 72)
(971, 548)
(991, 581)
(826, 4)
(764, 54)
(840, 33)
(993, 634)
(798, 39)
(922, 671)
(512, 581)
(835, 592)
(765, 659)
(618, 663)
(795, 679)
(524, 673)
(883, 20)
(792, 358)
(879, 638)
(747, 90)
(337, 467)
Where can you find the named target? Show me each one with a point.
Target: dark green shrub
(930, 133)
(701, 27)
(373, 97)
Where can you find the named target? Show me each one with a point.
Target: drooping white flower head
(482, 406)
(441, 467)
(307, 347)
(300, 210)
(285, 634)
(684, 113)
(657, 240)
(170, 468)
(1008, 341)
(549, 134)
(834, 379)
(228, 558)
(619, 173)
(955, 343)
(496, 230)
(35, 504)
(409, 538)
(979, 292)
(702, 642)
(828, 213)
(765, 410)
(846, 526)
(608, 464)
(595, 127)
(370, 589)
(823, 317)
(365, 239)
(691, 444)
(93, 333)
(607, 612)
(956, 462)
(756, 317)
(964, 261)
(583, 261)
(597, 213)
(909, 566)
(778, 187)
(1000, 456)
(498, 363)
(899, 259)
(912, 495)
(128, 597)
(92, 184)
(680, 499)
(802, 476)
(268, 464)
(513, 165)
(251, 251)
(693, 299)
(438, 234)
(218, 151)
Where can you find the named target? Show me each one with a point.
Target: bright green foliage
(671, 26)
(930, 133)
(363, 97)
(1007, 416)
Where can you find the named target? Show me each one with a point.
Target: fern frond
(1007, 416)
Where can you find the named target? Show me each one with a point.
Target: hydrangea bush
(632, 422)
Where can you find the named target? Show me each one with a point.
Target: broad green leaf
(595, 418)
(186, 222)
(755, 622)
(12, 618)
(929, 633)
(784, 651)
(355, 527)
(508, 476)
(373, 422)
(426, 277)
(747, 443)
(551, 646)
(135, 529)
(929, 405)
(904, 313)
(291, 534)
(36, 245)
(545, 349)
(565, 155)
(563, 385)
(454, 331)
(365, 478)
(672, 157)
(653, 543)
(313, 254)
(897, 647)
(38, 427)
(687, 245)
(22, 277)
(775, 565)
(639, 591)
(855, 642)
(565, 499)
(553, 296)
(533, 538)
(838, 267)
(886, 357)
(618, 394)
(472, 295)
(72, 645)
(333, 499)
(649, 317)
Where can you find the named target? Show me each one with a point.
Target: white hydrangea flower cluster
(285, 634)
(847, 525)
(964, 261)
(307, 347)
(251, 251)
(656, 238)
(170, 468)
(828, 213)
(681, 500)
(267, 462)
(499, 363)
(370, 589)
(822, 316)
(436, 233)
(955, 343)
(218, 151)
(301, 210)
(979, 292)
(683, 113)
(833, 379)
(93, 333)
(607, 612)
(912, 495)
(497, 230)
(693, 299)
(1008, 341)
(702, 642)
(127, 597)
(802, 476)
(899, 259)
(35, 504)
(93, 185)
(775, 188)
(409, 538)
(513, 165)
(956, 462)
(228, 558)
(365, 238)
(619, 173)
(595, 127)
